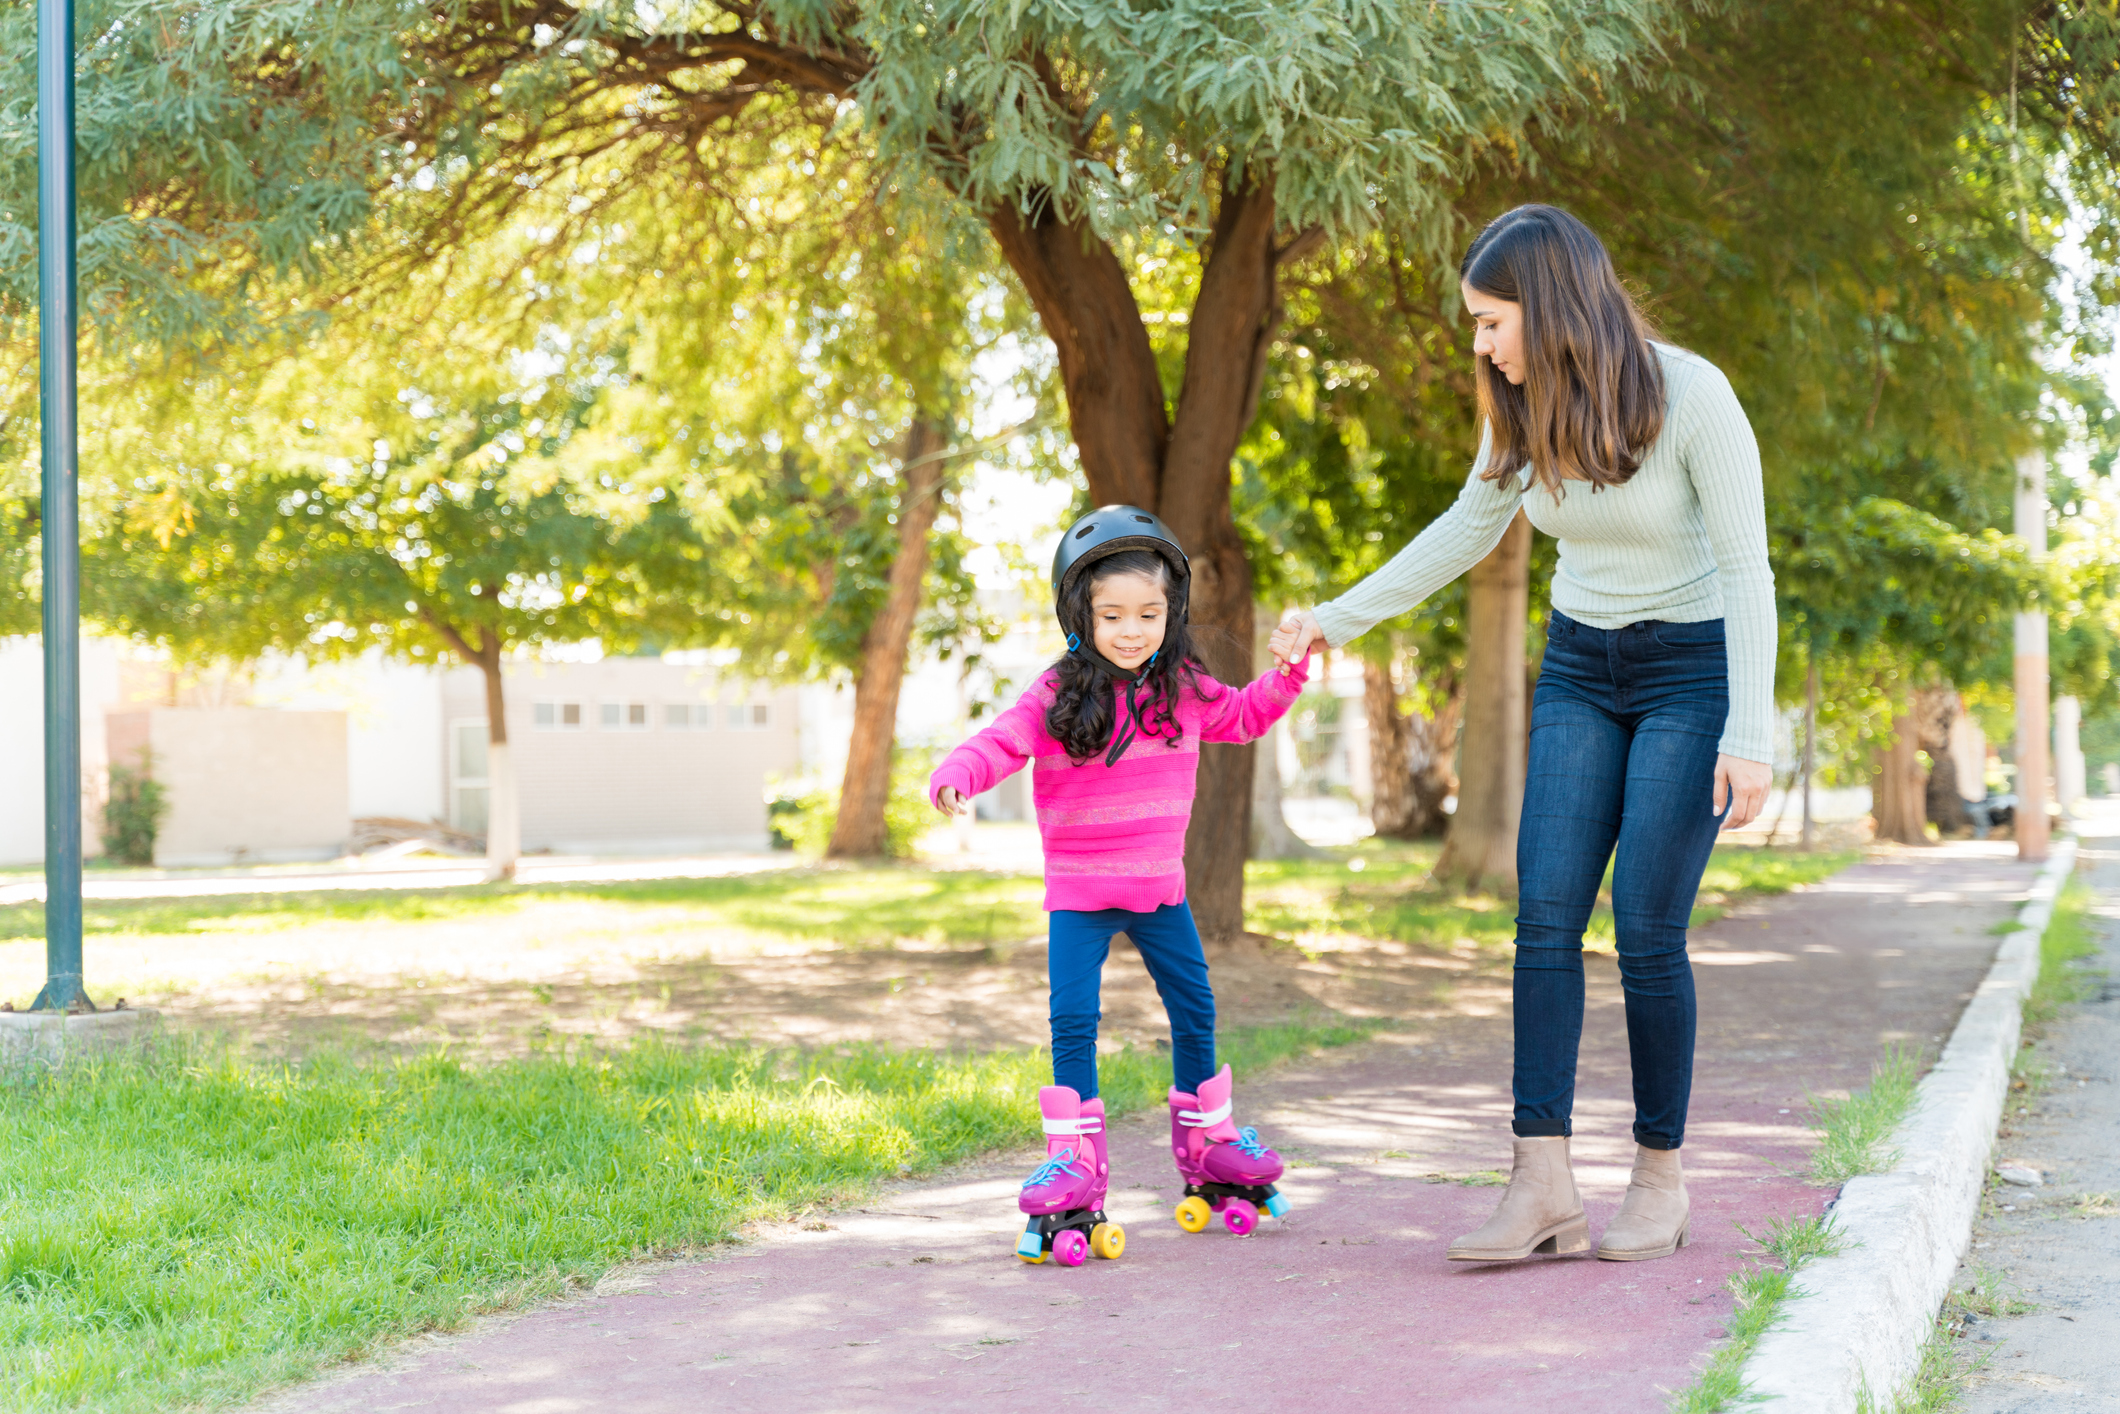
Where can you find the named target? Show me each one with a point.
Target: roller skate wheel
(1031, 1246)
(1037, 1261)
(1070, 1248)
(1277, 1205)
(1239, 1216)
(1193, 1214)
(1107, 1240)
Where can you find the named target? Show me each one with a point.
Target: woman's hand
(1291, 641)
(950, 802)
(1742, 785)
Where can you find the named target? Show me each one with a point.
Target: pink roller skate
(1226, 1169)
(1064, 1196)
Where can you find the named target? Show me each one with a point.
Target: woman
(1651, 726)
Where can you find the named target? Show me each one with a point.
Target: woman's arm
(1721, 456)
(994, 754)
(1454, 542)
(1246, 713)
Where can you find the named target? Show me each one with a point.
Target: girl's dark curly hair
(1085, 702)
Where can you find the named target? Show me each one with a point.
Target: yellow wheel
(1034, 1261)
(1194, 1214)
(1107, 1240)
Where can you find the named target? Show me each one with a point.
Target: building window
(556, 716)
(625, 716)
(749, 716)
(688, 716)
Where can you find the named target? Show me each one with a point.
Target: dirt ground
(508, 981)
(501, 984)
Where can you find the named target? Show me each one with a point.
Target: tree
(400, 484)
(1204, 145)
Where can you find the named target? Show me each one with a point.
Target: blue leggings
(1625, 727)
(1170, 946)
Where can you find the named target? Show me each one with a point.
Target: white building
(622, 755)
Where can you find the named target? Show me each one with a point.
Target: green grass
(1853, 1132)
(1934, 1387)
(191, 1227)
(871, 906)
(1380, 891)
(1758, 1291)
(851, 906)
(2066, 941)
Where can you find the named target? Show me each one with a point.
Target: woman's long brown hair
(1592, 400)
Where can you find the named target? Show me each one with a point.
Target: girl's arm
(1245, 713)
(1454, 542)
(999, 751)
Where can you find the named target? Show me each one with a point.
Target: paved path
(2045, 1245)
(914, 1302)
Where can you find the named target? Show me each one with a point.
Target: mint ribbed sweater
(1684, 540)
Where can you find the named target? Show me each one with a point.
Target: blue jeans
(1170, 945)
(1624, 730)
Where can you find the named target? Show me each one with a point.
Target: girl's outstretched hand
(1291, 641)
(950, 802)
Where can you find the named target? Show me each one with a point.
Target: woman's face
(1128, 614)
(1499, 332)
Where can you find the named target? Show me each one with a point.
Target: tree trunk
(1482, 844)
(504, 815)
(1390, 754)
(1135, 451)
(865, 791)
(1899, 788)
(1409, 757)
(1271, 838)
(1432, 747)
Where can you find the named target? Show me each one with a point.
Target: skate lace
(1248, 1141)
(1051, 1169)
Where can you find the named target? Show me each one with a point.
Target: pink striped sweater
(1114, 836)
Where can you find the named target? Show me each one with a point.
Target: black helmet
(1108, 530)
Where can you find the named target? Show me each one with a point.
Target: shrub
(133, 811)
(807, 819)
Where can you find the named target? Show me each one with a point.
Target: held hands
(1292, 640)
(1742, 785)
(950, 802)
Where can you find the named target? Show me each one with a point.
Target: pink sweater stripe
(1114, 836)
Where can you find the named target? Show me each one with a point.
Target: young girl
(1113, 732)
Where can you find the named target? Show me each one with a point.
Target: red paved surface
(916, 1303)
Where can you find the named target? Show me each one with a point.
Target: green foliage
(193, 1226)
(1852, 1133)
(1759, 1291)
(907, 815)
(133, 810)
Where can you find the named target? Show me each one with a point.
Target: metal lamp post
(57, 332)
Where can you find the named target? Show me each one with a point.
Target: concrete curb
(45, 1038)
(1854, 1333)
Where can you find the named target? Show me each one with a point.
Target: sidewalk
(2056, 1247)
(915, 1302)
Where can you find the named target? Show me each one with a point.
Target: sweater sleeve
(1454, 542)
(997, 752)
(1722, 459)
(1246, 713)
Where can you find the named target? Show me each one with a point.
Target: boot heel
(1573, 1238)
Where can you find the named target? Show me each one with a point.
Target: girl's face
(1128, 614)
(1499, 332)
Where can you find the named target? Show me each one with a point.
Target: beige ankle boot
(1653, 1217)
(1539, 1212)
